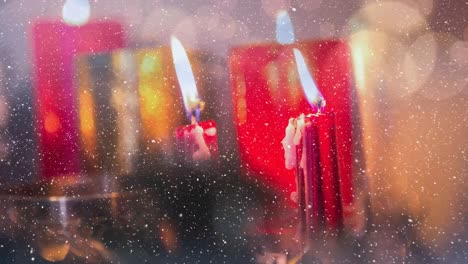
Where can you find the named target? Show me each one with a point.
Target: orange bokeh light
(51, 122)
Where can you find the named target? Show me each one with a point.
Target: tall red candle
(312, 179)
(265, 84)
(327, 189)
(55, 45)
(317, 174)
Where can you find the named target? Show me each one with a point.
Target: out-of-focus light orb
(284, 28)
(424, 6)
(419, 62)
(392, 16)
(449, 77)
(76, 12)
(459, 53)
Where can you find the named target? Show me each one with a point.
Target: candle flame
(311, 91)
(190, 96)
(285, 35)
(284, 28)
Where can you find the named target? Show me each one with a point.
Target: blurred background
(408, 73)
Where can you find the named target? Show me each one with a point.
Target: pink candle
(197, 142)
(55, 45)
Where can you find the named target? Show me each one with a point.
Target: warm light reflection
(76, 12)
(359, 62)
(125, 102)
(156, 96)
(86, 108)
(241, 106)
(185, 76)
(55, 251)
(87, 114)
(369, 53)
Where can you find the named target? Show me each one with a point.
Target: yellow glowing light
(86, 108)
(241, 108)
(148, 64)
(359, 65)
(87, 114)
(366, 47)
(54, 252)
(273, 77)
(156, 95)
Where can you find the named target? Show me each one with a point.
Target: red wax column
(312, 179)
(329, 170)
(318, 181)
(304, 224)
(189, 149)
(55, 45)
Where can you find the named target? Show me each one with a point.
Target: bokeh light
(76, 12)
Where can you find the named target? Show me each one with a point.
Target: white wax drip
(288, 145)
(203, 152)
(292, 138)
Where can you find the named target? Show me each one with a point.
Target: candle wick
(195, 112)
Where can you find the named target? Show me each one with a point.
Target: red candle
(312, 178)
(265, 83)
(317, 174)
(320, 138)
(55, 45)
